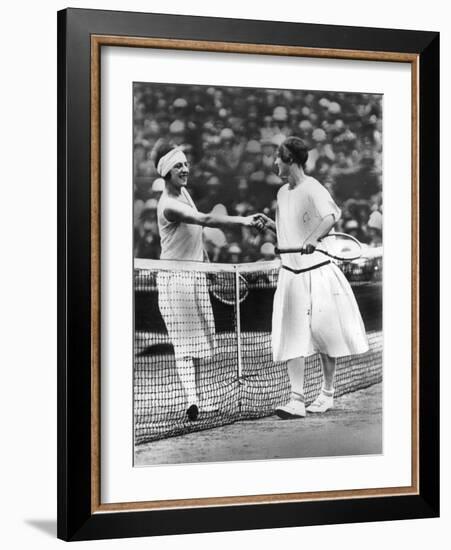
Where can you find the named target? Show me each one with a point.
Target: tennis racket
(338, 246)
(223, 287)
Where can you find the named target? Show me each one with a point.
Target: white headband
(169, 160)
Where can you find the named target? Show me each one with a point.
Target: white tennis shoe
(293, 409)
(321, 404)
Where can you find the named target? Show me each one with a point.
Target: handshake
(260, 221)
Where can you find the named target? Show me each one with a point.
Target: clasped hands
(260, 221)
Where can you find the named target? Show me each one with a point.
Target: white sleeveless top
(299, 212)
(179, 241)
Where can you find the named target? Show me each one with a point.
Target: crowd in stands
(230, 137)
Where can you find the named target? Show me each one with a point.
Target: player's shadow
(47, 526)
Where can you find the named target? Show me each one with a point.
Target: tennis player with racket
(183, 300)
(315, 310)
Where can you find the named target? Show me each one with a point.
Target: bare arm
(180, 213)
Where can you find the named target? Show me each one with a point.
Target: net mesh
(183, 312)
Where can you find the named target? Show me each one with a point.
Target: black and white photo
(258, 273)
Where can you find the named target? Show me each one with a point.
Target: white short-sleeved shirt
(179, 241)
(299, 212)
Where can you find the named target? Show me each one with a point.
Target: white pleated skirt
(186, 309)
(316, 311)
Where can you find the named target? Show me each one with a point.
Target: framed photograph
(248, 274)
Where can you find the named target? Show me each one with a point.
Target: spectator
(234, 253)
(375, 228)
(229, 136)
(267, 252)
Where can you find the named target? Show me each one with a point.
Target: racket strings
(341, 247)
(227, 288)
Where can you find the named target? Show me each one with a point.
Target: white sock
(328, 393)
(186, 372)
(297, 396)
(296, 371)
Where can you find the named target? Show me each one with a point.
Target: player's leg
(329, 366)
(325, 399)
(295, 408)
(187, 376)
(296, 372)
(208, 403)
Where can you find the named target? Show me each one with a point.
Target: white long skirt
(186, 309)
(316, 311)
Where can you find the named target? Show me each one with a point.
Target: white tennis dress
(314, 307)
(183, 296)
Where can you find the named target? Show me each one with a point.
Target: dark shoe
(192, 412)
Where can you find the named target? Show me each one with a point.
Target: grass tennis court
(353, 427)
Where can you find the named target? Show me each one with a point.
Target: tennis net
(220, 314)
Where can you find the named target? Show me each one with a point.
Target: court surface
(353, 427)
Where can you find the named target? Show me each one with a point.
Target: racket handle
(288, 250)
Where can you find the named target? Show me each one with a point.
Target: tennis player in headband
(315, 310)
(184, 301)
